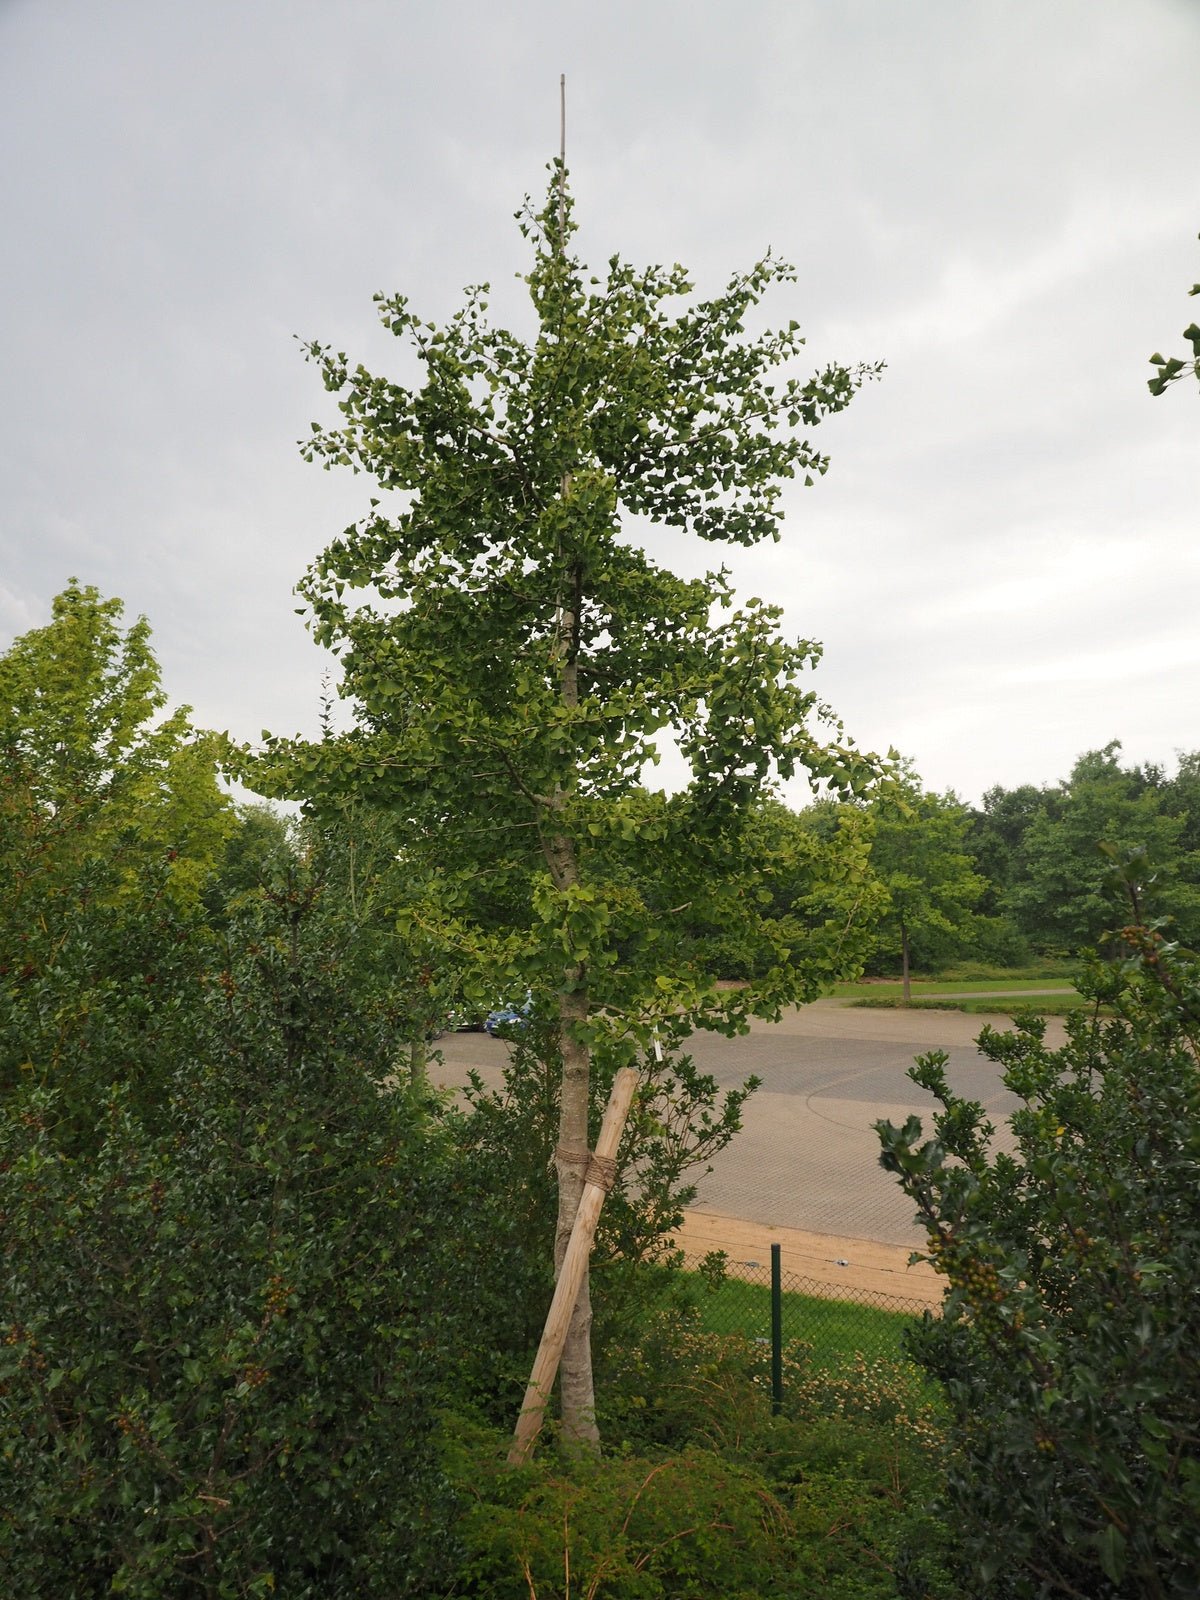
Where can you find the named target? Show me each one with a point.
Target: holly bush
(98, 988)
(230, 1318)
(1068, 1350)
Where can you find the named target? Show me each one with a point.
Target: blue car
(512, 1018)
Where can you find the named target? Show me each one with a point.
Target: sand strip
(857, 1268)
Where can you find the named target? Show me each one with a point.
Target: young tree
(520, 656)
(920, 856)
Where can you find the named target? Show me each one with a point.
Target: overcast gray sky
(1000, 199)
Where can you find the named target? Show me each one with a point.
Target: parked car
(513, 1019)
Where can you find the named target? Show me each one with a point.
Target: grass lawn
(1046, 1005)
(837, 1330)
(889, 990)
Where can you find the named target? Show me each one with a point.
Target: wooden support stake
(570, 1276)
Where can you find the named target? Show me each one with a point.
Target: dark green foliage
(997, 942)
(100, 988)
(1044, 854)
(1062, 898)
(226, 1327)
(1068, 1351)
(259, 839)
(111, 822)
(919, 856)
(995, 836)
(679, 1528)
(1181, 798)
(220, 1351)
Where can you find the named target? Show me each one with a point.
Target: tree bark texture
(575, 1372)
(573, 1266)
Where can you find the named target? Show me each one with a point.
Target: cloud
(1000, 201)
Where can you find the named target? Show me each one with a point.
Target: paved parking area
(807, 1157)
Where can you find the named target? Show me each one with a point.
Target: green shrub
(675, 1385)
(826, 1502)
(683, 1527)
(1068, 1351)
(99, 987)
(221, 1348)
(231, 1312)
(854, 1457)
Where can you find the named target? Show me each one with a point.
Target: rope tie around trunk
(600, 1170)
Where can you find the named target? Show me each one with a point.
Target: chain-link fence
(837, 1324)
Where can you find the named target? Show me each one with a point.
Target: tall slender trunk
(575, 1371)
(576, 1388)
(904, 962)
(571, 1157)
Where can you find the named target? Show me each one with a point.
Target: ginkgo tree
(515, 657)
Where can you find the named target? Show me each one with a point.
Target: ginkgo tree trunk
(515, 657)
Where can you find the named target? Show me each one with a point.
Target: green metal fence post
(776, 1331)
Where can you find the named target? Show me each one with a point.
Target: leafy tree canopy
(919, 854)
(515, 657)
(520, 656)
(91, 763)
(1063, 896)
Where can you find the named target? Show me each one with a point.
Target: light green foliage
(1171, 369)
(522, 656)
(111, 825)
(814, 893)
(90, 765)
(919, 855)
(1067, 1352)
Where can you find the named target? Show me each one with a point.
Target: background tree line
(1025, 876)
